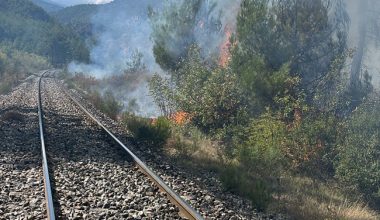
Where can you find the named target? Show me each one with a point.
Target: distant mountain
(48, 6)
(78, 18)
(27, 27)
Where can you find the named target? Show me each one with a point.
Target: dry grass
(297, 197)
(306, 198)
(194, 150)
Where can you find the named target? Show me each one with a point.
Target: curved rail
(185, 208)
(48, 191)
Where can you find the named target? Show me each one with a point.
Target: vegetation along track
(93, 174)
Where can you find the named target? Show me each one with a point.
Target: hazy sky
(76, 2)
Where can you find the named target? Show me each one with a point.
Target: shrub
(110, 106)
(260, 161)
(261, 152)
(211, 96)
(152, 132)
(106, 103)
(310, 145)
(358, 163)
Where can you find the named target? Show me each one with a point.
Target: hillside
(27, 27)
(47, 5)
(78, 18)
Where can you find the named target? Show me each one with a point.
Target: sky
(76, 2)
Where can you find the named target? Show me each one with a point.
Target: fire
(230, 28)
(180, 118)
(225, 55)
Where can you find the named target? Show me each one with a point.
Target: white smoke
(122, 27)
(366, 15)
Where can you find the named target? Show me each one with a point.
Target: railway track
(90, 173)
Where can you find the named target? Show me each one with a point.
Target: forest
(272, 97)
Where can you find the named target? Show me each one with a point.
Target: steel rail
(185, 208)
(48, 190)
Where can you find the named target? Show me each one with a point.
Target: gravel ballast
(21, 181)
(92, 176)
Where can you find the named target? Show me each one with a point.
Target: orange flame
(225, 55)
(180, 118)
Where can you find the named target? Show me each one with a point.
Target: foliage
(47, 6)
(110, 105)
(144, 130)
(358, 163)
(260, 160)
(78, 18)
(162, 92)
(26, 27)
(106, 102)
(16, 65)
(261, 153)
(303, 197)
(177, 28)
(297, 33)
(211, 96)
(311, 141)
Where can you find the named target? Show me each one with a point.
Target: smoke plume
(364, 38)
(122, 30)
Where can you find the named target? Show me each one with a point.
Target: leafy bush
(110, 105)
(211, 95)
(153, 132)
(261, 160)
(358, 163)
(311, 141)
(261, 153)
(106, 103)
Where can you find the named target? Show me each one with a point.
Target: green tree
(305, 35)
(177, 27)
